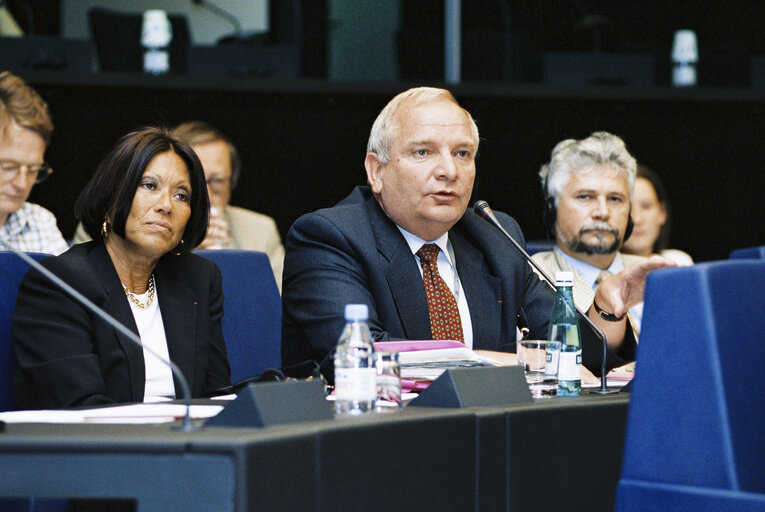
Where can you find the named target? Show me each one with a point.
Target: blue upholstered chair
(252, 311)
(12, 270)
(749, 253)
(696, 428)
(535, 246)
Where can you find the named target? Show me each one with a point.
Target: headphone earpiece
(548, 210)
(549, 214)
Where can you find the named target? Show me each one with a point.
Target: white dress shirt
(159, 378)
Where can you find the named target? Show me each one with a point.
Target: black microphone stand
(187, 425)
(483, 209)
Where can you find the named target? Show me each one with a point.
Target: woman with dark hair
(146, 207)
(651, 215)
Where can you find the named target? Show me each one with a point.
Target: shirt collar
(16, 222)
(416, 242)
(588, 272)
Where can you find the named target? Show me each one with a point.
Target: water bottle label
(551, 359)
(570, 367)
(355, 384)
(156, 62)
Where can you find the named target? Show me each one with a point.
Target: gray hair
(571, 155)
(383, 129)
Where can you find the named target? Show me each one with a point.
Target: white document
(135, 413)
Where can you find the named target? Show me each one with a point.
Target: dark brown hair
(111, 190)
(662, 241)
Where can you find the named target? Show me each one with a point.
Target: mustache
(599, 226)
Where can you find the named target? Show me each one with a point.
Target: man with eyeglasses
(231, 227)
(25, 130)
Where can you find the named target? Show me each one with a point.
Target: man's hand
(621, 291)
(218, 234)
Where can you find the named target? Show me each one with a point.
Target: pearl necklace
(131, 297)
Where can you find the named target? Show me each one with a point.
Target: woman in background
(651, 215)
(146, 207)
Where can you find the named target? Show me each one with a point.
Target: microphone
(187, 426)
(483, 209)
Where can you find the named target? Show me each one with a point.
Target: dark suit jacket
(69, 357)
(352, 253)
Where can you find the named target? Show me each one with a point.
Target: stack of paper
(427, 359)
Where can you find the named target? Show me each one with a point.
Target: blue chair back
(252, 311)
(535, 246)
(749, 253)
(695, 430)
(12, 270)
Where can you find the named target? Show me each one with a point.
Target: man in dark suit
(420, 166)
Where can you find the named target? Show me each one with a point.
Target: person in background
(231, 227)
(25, 131)
(587, 187)
(651, 215)
(409, 230)
(145, 209)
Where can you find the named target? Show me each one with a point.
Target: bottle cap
(156, 31)
(684, 47)
(564, 278)
(356, 312)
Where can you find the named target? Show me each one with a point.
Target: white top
(159, 378)
(447, 267)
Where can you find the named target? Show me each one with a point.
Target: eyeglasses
(10, 169)
(218, 184)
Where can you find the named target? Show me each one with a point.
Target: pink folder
(415, 345)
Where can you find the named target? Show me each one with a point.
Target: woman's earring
(105, 229)
(179, 247)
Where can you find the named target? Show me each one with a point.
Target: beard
(600, 246)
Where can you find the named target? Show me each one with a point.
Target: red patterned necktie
(445, 323)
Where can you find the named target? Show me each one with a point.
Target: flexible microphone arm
(222, 13)
(483, 209)
(187, 426)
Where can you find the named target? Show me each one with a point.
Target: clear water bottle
(156, 34)
(685, 56)
(355, 374)
(564, 327)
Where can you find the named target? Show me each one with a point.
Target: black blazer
(353, 253)
(69, 357)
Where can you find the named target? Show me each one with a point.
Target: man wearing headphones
(587, 189)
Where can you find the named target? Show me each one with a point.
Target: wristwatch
(608, 317)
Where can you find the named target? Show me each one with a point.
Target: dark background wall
(303, 143)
